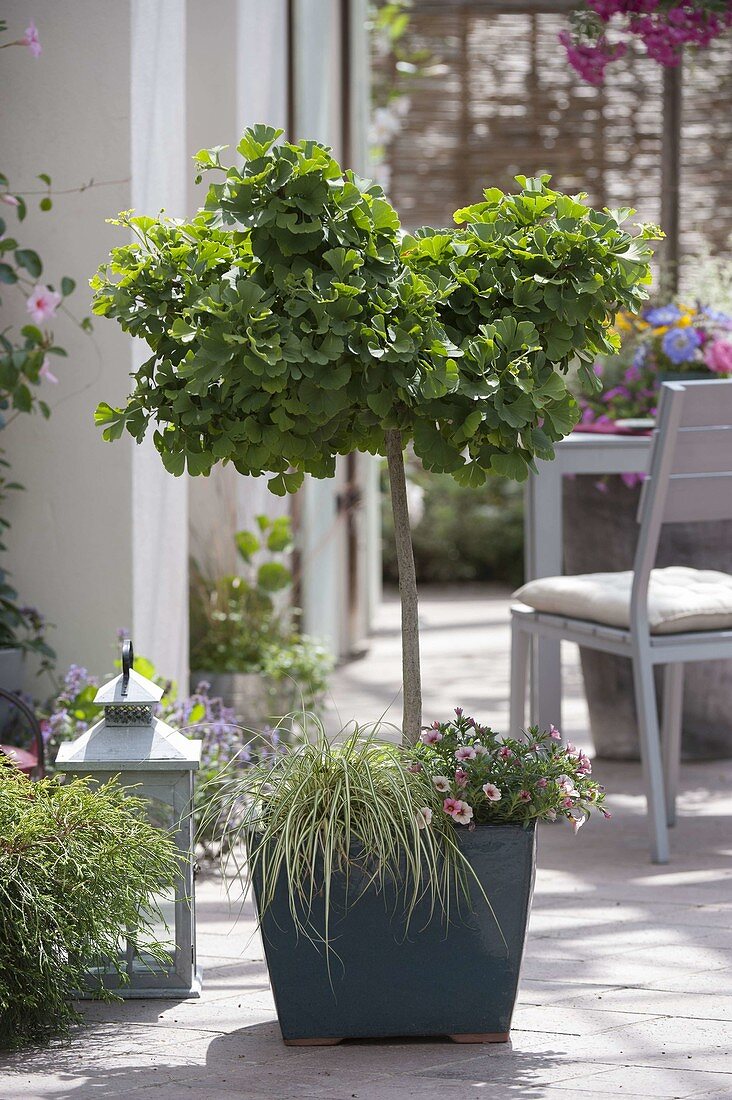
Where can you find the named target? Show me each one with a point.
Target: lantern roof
(149, 747)
(129, 737)
(129, 687)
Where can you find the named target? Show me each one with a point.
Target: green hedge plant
(79, 868)
(289, 323)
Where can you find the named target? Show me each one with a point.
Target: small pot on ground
(383, 978)
(255, 698)
(600, 536)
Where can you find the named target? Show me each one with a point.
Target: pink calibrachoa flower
(42, 303)
(541, 783)
(566, 784)
(492, 792)
(505, 753)
(570, 748)
(424, 817)
(550, 815)
(430, 737)
(459, 811)
(461, 777)
(465, 752)
(480, 750)
(554, 733)
(415, 767)
(441, 783)
(577, 822)
(46, 373)
(524, 796)
(31, 39)
(584, 764)
(568, 803)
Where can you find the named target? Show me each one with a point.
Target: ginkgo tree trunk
(289, 323)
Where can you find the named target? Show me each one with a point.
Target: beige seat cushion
(679, 599)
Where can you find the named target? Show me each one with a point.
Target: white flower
(441, 783)
(566, 784)
(424, 817)
(492, 793)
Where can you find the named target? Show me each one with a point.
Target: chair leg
(650, 746)
(671, 716)
(520, 647)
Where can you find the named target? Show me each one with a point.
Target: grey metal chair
(690, 480)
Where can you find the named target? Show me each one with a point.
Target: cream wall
(99, 539)
(125, 92)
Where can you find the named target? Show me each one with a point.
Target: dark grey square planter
(459, 980)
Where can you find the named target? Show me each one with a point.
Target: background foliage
(459, 535)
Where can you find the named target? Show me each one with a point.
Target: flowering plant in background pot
(289, 323)
(664, 342)
(244, 637)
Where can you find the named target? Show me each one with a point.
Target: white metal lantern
(129, 742)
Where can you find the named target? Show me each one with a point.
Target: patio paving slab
(627, 987)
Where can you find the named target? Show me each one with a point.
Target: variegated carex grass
(348, 808)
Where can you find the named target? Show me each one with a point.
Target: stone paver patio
(626, 988)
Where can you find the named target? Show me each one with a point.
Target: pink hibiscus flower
(31, 39)
(42, 303)
(46, 373)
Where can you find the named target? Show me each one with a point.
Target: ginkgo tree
(290, 322)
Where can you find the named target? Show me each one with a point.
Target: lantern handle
(128, 659)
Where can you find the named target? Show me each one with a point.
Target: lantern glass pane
(161, 932)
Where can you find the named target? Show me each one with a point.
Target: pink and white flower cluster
(484, 780)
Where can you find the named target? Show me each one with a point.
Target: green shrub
(461, 536)
(79, 868)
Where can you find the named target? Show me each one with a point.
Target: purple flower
(662, 315)
(679, 344)
(717, 316)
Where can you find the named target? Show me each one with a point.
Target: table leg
(543, 558)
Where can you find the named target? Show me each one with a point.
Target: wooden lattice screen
(504, 100)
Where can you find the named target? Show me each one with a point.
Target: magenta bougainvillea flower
(664, 29)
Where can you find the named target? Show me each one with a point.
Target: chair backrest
(690, 475)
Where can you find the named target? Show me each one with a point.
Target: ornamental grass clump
(355, 808)
(289, 324)
(486, 780)
(79, 871)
